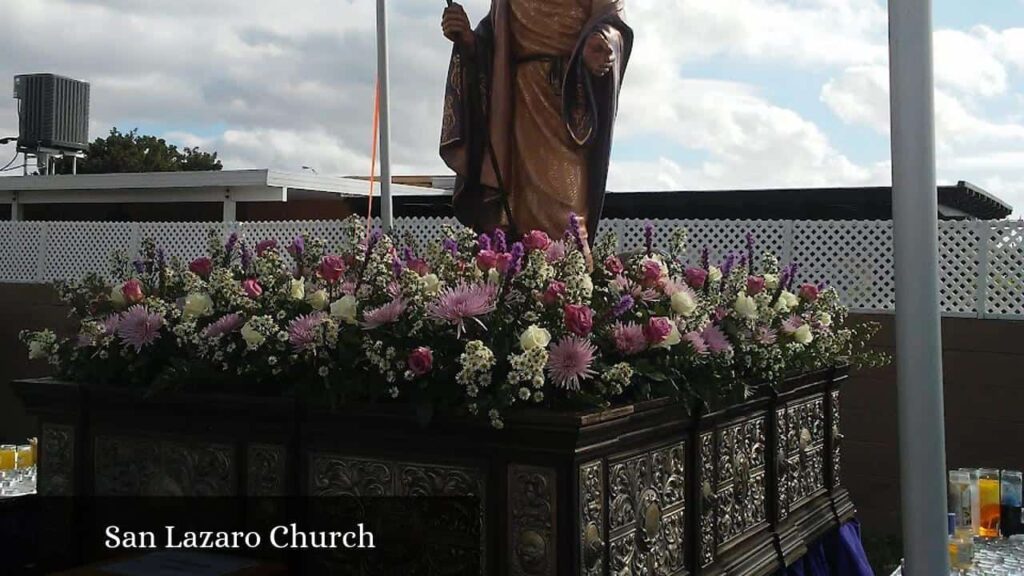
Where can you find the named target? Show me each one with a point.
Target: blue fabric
(839, 553)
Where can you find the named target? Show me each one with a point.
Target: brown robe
(548, 119)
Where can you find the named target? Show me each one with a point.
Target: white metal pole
(918, 323)
(386, 213)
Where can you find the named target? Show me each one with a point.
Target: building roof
(159, 187)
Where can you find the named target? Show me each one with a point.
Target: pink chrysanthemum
(792, 324)
(570, 361)
(224, 325)
(555, 251)
(716, 340)
(626, 286)
(385, 314)
(461, 303)
(110, 324)
(302, 331)
(673, 285)
(139, 327)
(629, 338)
(765, 336)
(696, 341)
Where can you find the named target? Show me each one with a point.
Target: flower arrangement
(478, 324)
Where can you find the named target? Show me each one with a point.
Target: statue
(529, 105)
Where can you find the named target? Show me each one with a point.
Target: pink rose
(503, 262)
(201, 267)
(486, 259)
(554, 292)
(652, 272)
(809, 292)
(696, 277)
(421, 361)
(536, 240)
(613, 265)
(555, 251)
(579, 319)
(132, 291)
(252, 288)
(419, 266)
(332, 268)
(657, 329)
(755, 284)
(264, 245)
(629, 338)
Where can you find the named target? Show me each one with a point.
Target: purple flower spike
(451, 246)
(624, 305)
(730, 262)
(397, 266)
(139, 266)
(297, 247)
(161, 258)
(483, 242)
(500, 243)
(246, 256)
(574, 230)
(648, 236)
(407, 255)
(517, 258)
(749, 261)
(704, 258)
(822, 285)
(229, 246)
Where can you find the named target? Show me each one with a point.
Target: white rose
(345, 309)
(787, 301)
(252, 336)
(117, 296)
(318, 300)
(672, 339)
(714, 274)
(683, 303)
(771, 281)
(197, 305)
(431, 283)
(534, 337)
(493, 276)
(803, 334)
(825, 319)
(745, 306)
(297, 289)
(37, 350)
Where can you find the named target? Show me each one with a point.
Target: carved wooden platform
(639, 489)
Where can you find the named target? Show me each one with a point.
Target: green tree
(132, 152)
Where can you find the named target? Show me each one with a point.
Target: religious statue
(529, 105)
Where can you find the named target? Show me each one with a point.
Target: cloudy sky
(719, 94)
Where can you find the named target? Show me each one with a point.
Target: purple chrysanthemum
(716, 340)
(463, 302)
(625, 304)
(385, 314)
(302, 331)
(570, 361)
(696, 341)
(224, 325)
(139, 327)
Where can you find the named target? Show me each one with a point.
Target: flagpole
(384, 84)
(918, 322)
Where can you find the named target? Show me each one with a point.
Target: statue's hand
(598, 55)
(456, 27)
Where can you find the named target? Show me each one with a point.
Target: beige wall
(984, 392)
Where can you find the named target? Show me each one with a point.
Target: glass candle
(24, 458)
(1010, 502)
(960, 501)
(988, 502)
(8, 454)
(975, 507)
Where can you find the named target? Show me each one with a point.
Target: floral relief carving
(532, 514)
(57, 460)
(163, 467)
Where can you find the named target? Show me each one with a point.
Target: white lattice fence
(981, 263)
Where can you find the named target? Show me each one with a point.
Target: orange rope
(373, 156)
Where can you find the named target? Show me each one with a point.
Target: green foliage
(133, 152)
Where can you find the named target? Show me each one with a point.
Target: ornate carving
(334, 476)
(266, 470)
(592, 497)
(805, 457)
(741, 479)
(647, 496)
(781, 467)
(57, 460)
(137, 466)
(706, 478)
(837, 440)
(532, 514)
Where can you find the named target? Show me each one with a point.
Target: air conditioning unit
(53, 113)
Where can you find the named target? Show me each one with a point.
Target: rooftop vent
(53, 113)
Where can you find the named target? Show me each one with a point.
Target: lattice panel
(854, 257)
(23, 243)
(1005, 277)
(958, 267)
(77, 248)
(720, 236)
(185, 240)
